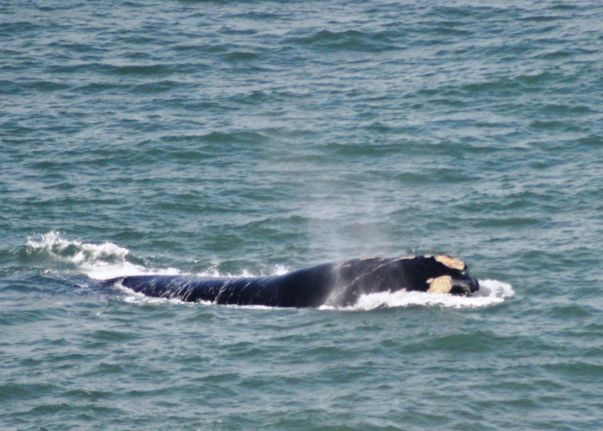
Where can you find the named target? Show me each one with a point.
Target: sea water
(254, 138)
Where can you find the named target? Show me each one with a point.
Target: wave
(491, 292)
(97, 261)
(108, 260)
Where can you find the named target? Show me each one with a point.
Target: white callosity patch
(451, 262)
(441, 285)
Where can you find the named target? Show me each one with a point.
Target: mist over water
(253, 138)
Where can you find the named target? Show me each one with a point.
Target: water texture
(256, 137)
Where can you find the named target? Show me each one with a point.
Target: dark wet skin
(336, 284)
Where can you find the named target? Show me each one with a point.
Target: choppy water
(254, 137)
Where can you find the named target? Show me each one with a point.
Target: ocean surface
(258, 137)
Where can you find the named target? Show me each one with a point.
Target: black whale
(337, 284)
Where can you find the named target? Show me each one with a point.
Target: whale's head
(447, 274)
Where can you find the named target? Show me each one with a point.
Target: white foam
(97, 261)
(491, 292)
(108, 260)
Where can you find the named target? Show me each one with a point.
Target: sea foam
(108, 260)
(97, 261)
(491, 292)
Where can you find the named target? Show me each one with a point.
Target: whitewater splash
(108, 260)
(97, 261)
(491, 292)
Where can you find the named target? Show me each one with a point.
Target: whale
(336, 284)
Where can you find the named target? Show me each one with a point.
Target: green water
(256, 137)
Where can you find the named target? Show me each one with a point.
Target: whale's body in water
(336, 284)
